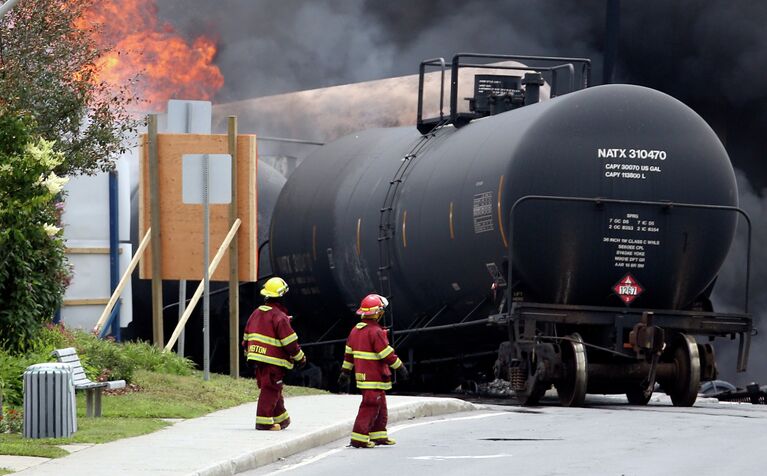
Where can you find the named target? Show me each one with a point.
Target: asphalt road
(606, 438)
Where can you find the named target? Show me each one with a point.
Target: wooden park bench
(92, 389)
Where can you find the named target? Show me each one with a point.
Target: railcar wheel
(636, 396)
(683, 390)
(533, 389)
(572, 386)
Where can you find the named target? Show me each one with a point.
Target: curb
(270, 454)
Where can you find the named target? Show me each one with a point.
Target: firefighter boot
(274, 427)
(362, 444)
(285, 423)
(385, 441)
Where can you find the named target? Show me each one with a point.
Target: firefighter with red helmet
(368, 352)
(271, 344)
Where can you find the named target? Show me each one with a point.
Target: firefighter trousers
(371, 418)
(271, 406)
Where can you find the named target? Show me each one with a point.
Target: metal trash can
(49, 401)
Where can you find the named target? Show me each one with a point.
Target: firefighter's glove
(343, 382)
(301, 363)
(402, 373)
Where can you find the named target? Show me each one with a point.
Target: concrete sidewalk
(225, 442)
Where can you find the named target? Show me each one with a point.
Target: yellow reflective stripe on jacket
(360, 325)
(366, 355)
(291, 338)
(263, 339)
(397, 364)
(281, 418)
(368, 385)
(270, 360)
(264, 420)
(378, 435)
(264, 308)
(348, 349)
(271, 340)
(373, 355)
(300, 355)
(360, 437)
(347, 365)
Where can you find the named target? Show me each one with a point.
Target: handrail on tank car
(426, 125)
(456, 65)
(421, 70)
(585, 62)
(599, 201)
(554, 70)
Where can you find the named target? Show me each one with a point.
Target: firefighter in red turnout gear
(271, 344)
(368, 352)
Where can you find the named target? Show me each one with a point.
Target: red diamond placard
(628, 289)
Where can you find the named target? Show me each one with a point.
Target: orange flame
(167, 65)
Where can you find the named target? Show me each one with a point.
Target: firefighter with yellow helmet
(368, 352)
(271, 344)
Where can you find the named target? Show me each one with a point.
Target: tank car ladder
(387, 219)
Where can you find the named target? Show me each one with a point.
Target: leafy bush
(12, 366)
(11, 421)
(12, 369)
(110, 360)
(145, 356)
(33, 269)
(103, 359)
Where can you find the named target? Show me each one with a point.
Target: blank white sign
(188, 117)
(219, 178)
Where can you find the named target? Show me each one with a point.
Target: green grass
(175, 396)
(15, 445)
(5, 471)
(138, 413)
(89, 430)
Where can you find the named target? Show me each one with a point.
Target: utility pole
(234, 270)
(6, 7)
(154, 206)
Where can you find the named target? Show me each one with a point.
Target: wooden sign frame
(181, 224)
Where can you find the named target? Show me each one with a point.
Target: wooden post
(154, 206)
(123, 281)
(196, 297)
(234, 271)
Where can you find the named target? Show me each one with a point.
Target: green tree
(56, 118)
(33, 268)
(49, 66)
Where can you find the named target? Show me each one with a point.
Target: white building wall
(86, 225)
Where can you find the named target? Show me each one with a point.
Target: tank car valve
(649, 341)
